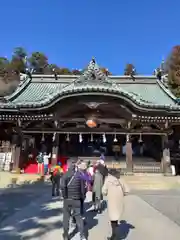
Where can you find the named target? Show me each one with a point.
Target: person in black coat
(73, 190)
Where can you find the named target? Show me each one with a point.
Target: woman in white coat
(115, 190)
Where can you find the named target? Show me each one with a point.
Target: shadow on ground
(90, 220)
(31, 225)
(42, 216)
(38, 222)
(35, 224)
(124, 229)
(39, 218)
(14, 199)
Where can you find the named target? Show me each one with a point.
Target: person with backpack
(73, 191)
(40, 163)
(56, 174)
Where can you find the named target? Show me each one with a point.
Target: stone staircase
(145, 165)
(138, 167)
(153, 182)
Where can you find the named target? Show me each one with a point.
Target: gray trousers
(72, 208)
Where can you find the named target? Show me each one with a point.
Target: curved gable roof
(43, 91)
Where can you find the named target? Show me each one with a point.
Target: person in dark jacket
(56, 174)
(73, 190)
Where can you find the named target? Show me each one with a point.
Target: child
(56, 173)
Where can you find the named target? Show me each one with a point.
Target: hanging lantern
(91, 123)
(24, 144)
(115, 139)
(31, 142)
(104, 138)
(127, 138)
(54, 137)
(140, 138)
(80, 138)
(43, 138)
(91, 138)
(67, 138)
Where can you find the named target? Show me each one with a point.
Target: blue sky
(70, 32)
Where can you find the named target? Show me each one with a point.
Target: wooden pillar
(55, 149)
(17, 158)
(16, 151)
(129, 161)
(166, 160)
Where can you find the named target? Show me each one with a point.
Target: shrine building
(132, 120)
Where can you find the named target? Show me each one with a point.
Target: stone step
(151, 182)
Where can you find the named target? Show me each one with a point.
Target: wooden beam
(93, 131)
(101, 120)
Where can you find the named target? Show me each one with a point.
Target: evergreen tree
(18, 60)
(39, 62)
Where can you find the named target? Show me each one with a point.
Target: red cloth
(65, 168)
(31, 166)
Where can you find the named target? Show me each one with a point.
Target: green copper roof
(41, 91)
(37, 92)
(150, 92)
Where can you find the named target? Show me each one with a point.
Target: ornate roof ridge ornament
(132, 74)
(162, 74)
(93, 73)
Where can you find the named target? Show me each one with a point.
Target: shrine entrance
(88, 125)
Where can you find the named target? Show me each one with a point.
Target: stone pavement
(166, 202)
(14, 200)
(137, 181)
(7, 179)
(152, 182)
(43, 220)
